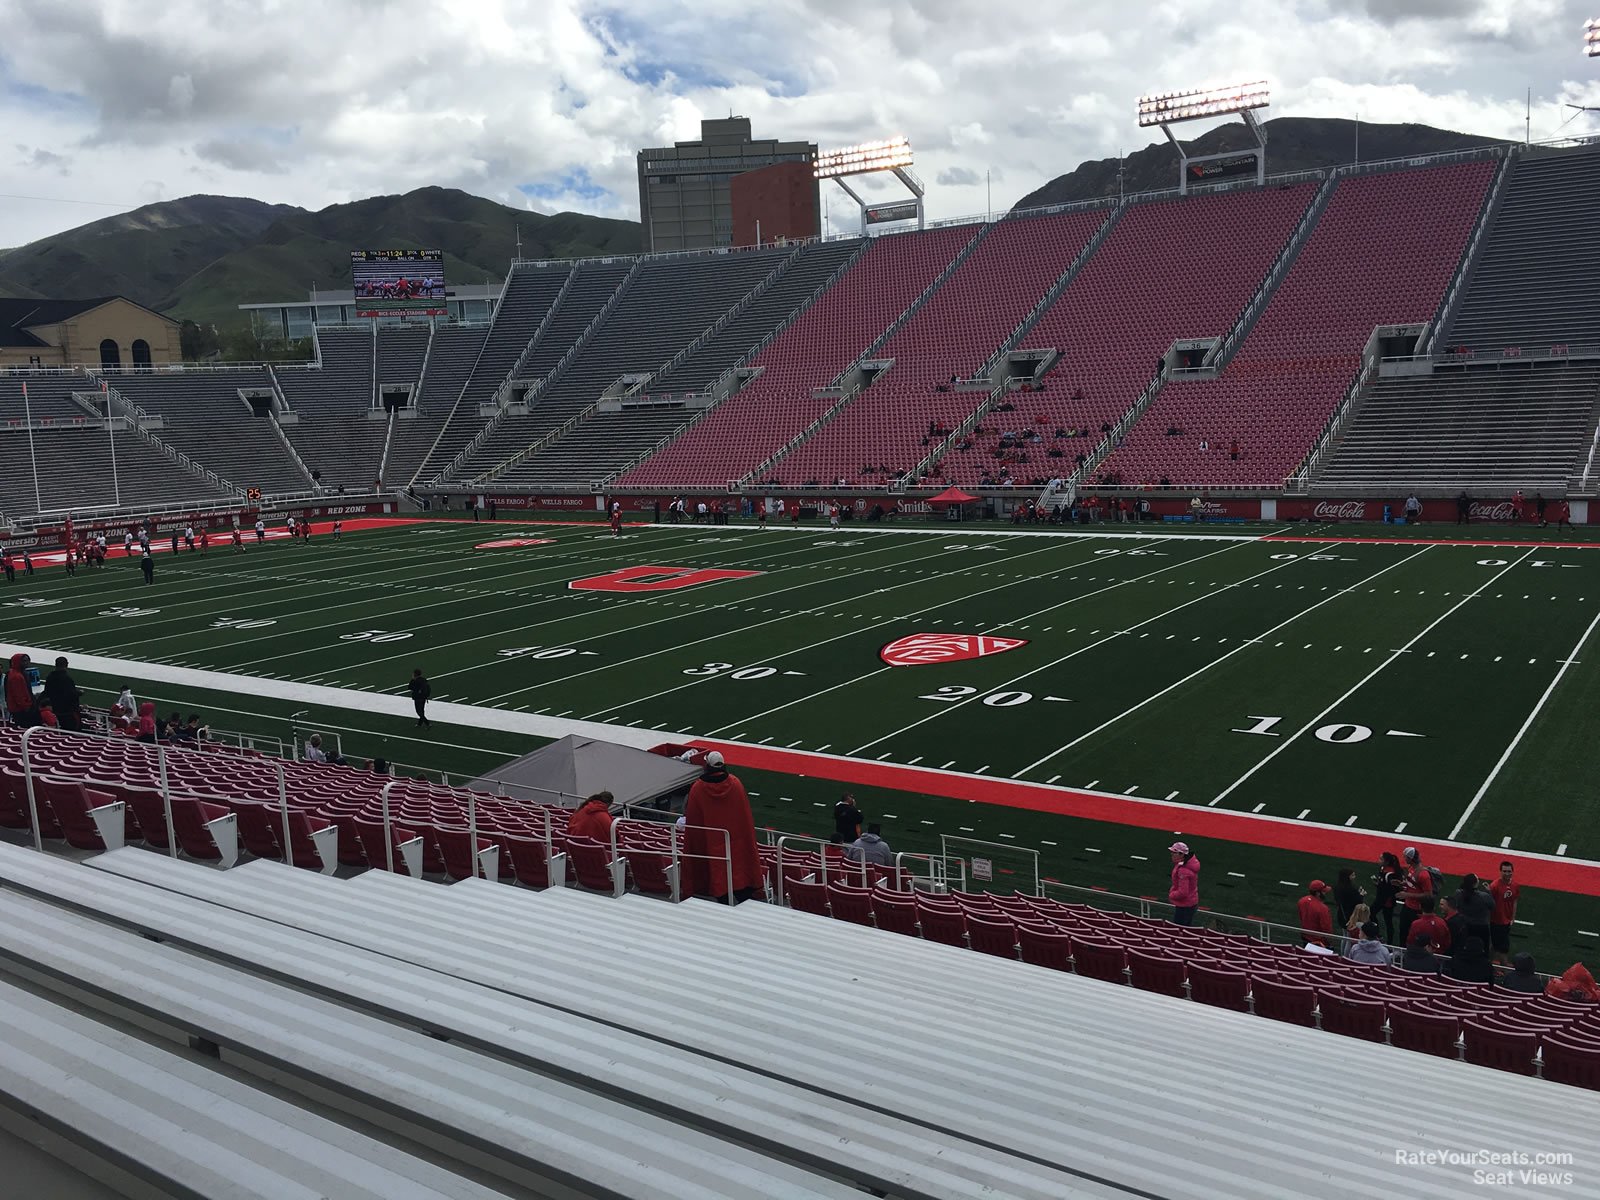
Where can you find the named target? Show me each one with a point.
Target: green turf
(1144, 659)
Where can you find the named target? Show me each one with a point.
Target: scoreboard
(398, 283)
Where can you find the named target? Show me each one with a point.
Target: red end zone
(1277, 833)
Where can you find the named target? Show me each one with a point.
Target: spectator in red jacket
(1184, 892)
(592, 818)
(19, 693)
(147, 722)
(717, 801)
(1316, 922)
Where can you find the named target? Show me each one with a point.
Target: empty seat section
(667, 305)
(895, 423)
(207, 417)
(450, 356)
(529, 295)
(74, 471)
(1528, 289)
(1382, 253)
(754, 423)
(332, 431)
(1490, 428)
(1168, 270)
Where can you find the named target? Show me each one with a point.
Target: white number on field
(29, 602)
(122, 610)
(242, 622)
(1135, 553)
(1339, 733)
(538, 652)
(733, 672)
(951, 693)
(373, 635)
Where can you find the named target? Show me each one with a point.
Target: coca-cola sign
(1491, 510)
(1340, 510)
(923, 649)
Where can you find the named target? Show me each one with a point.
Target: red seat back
(1572, 1060)
(1424, 1032)
(806, 897)
(1156, 973)
(894, 913)
(853, 904)
(1099, 960)
(1219, 987)
(1044, 948)
(1503, 1049)
(591, 863)
(1350, 1017)
(941, 924)
(992, 936)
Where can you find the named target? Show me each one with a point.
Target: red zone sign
(924, 649)
(655, 579)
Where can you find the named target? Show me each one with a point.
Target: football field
(1221, 681)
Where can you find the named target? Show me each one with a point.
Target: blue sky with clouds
(544, 103)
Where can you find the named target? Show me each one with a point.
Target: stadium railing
(649, 841)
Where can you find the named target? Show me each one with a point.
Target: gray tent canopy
(566, 771)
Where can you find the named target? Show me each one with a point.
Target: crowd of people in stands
(1464, 935)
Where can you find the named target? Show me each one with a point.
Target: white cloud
(312, 103)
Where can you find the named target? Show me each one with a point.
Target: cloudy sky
(543, 103)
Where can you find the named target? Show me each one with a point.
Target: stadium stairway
(671, 304)
(1490, 428)
(1531, 287)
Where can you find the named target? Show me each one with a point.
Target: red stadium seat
(1099, 960)
(853, 904)
(592, 865)
(806, 897)
(90, 820)
(1571, 1060)
(1424, 1032)
(1350, 1017)
(894, 912)
(1219, 987)
(1279, 1001)
(1044, 947)
(997, 937)
(1156, 973)
(1491, 1045)
(941, 923)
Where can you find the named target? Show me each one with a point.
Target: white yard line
(748, 628)
(1208, 594)
(1028, 617)
(1373, 674)
(1245, 645)
(1517, 740)
(852, 632)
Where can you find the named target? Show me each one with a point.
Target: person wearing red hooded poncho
(717, 801)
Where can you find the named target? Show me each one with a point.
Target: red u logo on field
(655, 579)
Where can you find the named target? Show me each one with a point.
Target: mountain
(1293, 144)
(199, 257)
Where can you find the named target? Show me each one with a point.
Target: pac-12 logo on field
(922, 649)
(655, 579)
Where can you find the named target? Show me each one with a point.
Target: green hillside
(199, 257)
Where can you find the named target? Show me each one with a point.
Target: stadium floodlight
(1164, 107)
(1591, 38)
(883, 155)
(891, 155)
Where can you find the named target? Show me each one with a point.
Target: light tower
(1167, 109)
(891, 155)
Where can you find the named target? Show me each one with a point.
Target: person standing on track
(188, 537)
(420, 690)
(290, 525)
(147, 564)
(1184, 892)
(127, 543)
(1463, 509)
(616, 518)
(761, 513)
(338, 528)
(238, 541)
(261, 531)
(205, 542)
(1564, 515)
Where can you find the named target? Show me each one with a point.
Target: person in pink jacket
(1184, 894)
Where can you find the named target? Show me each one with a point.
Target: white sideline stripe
(1517, 740)
(502, 720)
(1216, 661)
(1100, 531)
(1316, 720)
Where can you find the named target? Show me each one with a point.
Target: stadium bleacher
(207, 418)
(746, 430)
(333, 433)
(1527, 290)
(973, 311)
(450, 355)
(1382, 253)
(1489, 429)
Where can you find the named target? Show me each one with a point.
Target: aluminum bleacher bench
(1064, 1072)
(766, 1115)
(530, 1131)
(142, 1119)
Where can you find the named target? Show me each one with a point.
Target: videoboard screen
(398, 283)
